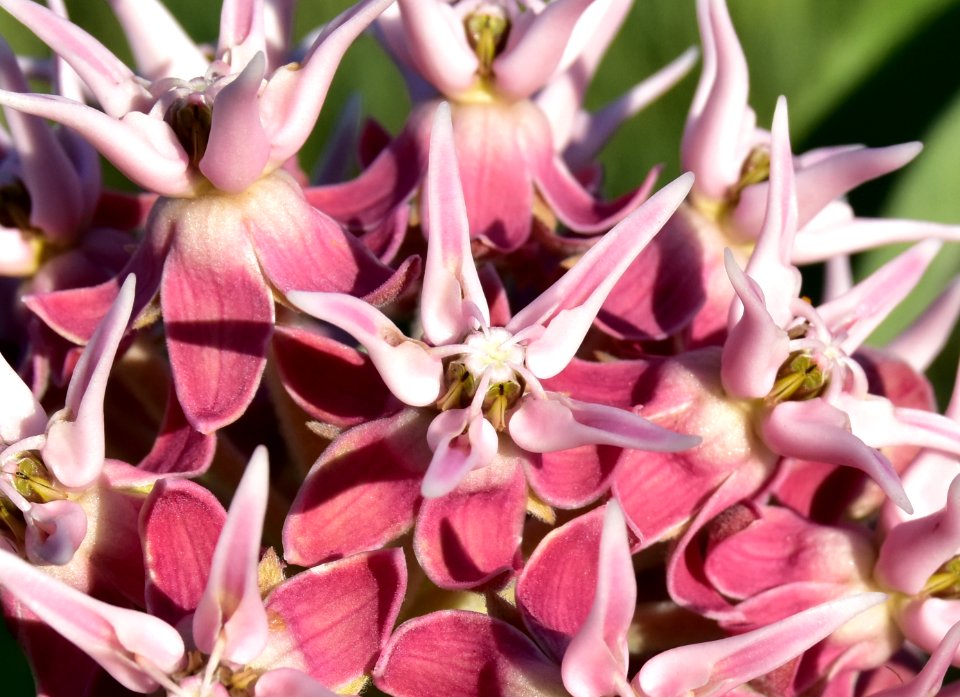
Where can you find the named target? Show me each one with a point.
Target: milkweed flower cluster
(560, 445)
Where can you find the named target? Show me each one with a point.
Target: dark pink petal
(118, 639)
(332, 620)
(179, 527)
(179, 449)
(451, 295)
(230, 616)
(20, 413)
(238, 148)
(595, 662)
(160, 46)
(287, 682)
(472, 534)
(573, 478)
(715, 667)
(74, 449)
(218, 314)
(437, 43)
(464, 654)
(54, 531)
(615, 383)
(300, 248)
(815, 430)
(530, 61)
(331, 381)
(361, 493)
(551, 593)
(407, 367)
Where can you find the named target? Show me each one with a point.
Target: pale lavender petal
(411, 372)
(595, 663)
(291, 101)
(926, 620)
(529, 62)
(287, 682)
(559, 423)
(116, 88)
(437, 44)
(238, 148)
(756, 345)
(838, 277)
(74, 449)
(930, 679)
(879, 424)
(231, 612)
(54, 531)
(926, 336)
(570, 305)
(456, 453)
(120, 640)
(913, 551)
(820, 242)
(160, 46)
(21, 415)
(241, 32)
(711, 146)
(451, 287)
(715, 667)
(815, 430)
(278, 30)
(142, 147)
(857, 313)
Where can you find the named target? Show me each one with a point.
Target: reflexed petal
(238, 148)
(231, 610)
(559, 423)
(450, 281)
(114, 637)
(456, 453)
(74, 449)
(54, 531)
(815, 430)
(464, 654)
(715, 667)
(179, 449)
(472, 534)
(411, 372)
(595, 662)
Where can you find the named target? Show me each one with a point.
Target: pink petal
(231, 613)
(332, 620)
(291, 101)
(550, 589)
(930, 679)
(560, 423)
(160, 46)
(21, 415)
(238, 148)
(925, 621)
(570, 305)
(451, 288)
(118, 639)
(74, 449)
(241, 31)
(464, 654)
(115, 87)
(573, 478)
(595, 663)
(179, 449)
(818, 243)
(460, 444)
(438, 46)
(411, 372)
(179, 527)
(815, 430)
(361, 493)
(142, 147)
(715, 667)
(332, 382)
(712, 147)
(472, 535)
(926, 336)
(529, 62)
(55, 531)
(218, 314)
(287, 682)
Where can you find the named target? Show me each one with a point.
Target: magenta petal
(573, 478)
(112, 636)
(179, 527)
(464, 654)
(218, 313)
(288, 682)
(595, 663)
(54, 531)
(238, 148)
(715, 667)
(361, 493)
(179, 449)
(336, 617)
(472, 535)
(230, 615)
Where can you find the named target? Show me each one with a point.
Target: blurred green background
(876, 72)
